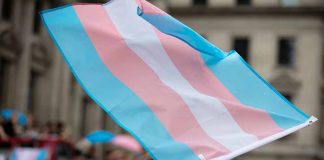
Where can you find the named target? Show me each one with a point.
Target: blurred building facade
(34, 77)
(281, 39)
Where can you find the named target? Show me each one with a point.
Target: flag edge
(267, 140)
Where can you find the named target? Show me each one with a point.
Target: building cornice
(247, 11)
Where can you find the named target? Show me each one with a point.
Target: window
(243, 2)
(241, 46)
(3, 67)
(289, 3)
(6, 9)
(200, 2)
(37, 20)
(286, 51)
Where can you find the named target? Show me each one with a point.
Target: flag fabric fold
(179, 95)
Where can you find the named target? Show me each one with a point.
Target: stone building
(33, 76)
(281, 39)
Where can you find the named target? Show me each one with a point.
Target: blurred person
(9, 127)
(78, 155)
(18, 128)
(3, 134)
(48, 130)
(31, 130)
(116, 154)
(83, 145)
(90, 154)
(62, 131)
(85, 150)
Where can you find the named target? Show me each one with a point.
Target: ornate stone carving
(286, 83)
(10, 42)
(40, 56)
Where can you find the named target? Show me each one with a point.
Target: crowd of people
(12, 128)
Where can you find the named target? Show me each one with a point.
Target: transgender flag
(29, 154)
(179, 95)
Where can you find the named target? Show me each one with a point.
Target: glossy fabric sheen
(177, 94)
(142, 40)
(127, 109)
(134, 73)
(238, 77)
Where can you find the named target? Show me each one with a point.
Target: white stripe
(26, 153)
(210, 113)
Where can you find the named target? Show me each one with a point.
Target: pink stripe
(193, 68)
(139, 3)
(33, 154)
(133, 72)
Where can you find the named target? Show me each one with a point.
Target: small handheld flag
(179, 95)
(8, 113)
(29, 153)
(127, 142)
(100, 136)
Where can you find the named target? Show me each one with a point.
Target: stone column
(11, 86)
(76, 110)
(23, 62)
(309, 54)
(222, 3)
(180, 3)
(65, 92)
(220, 38)
(265, 3)
(263, 51)
(93, 117)
(53, 97)
(110, 125)
(17, 15)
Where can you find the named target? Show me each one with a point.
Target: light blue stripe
(13, 155)
(128, 110)
(42, 154)
(172, 26)
(237, 76)
(252, 90)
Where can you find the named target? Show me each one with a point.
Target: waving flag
(8, 113)
(100, 136)
(29, 153)
(180, 96)
(127, 142)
